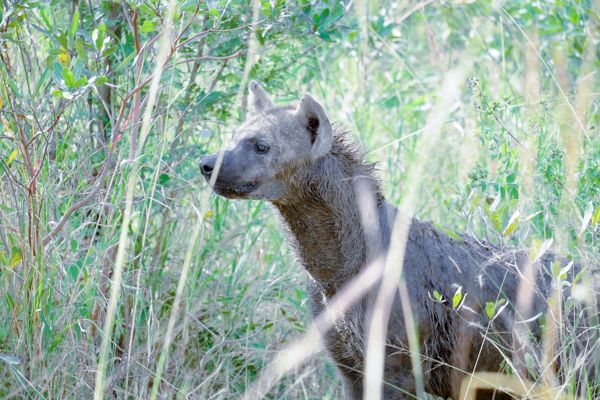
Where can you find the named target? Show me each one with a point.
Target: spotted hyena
(311, 172)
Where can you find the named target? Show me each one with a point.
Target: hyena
(309, 170)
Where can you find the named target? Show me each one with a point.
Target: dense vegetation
(121, 274)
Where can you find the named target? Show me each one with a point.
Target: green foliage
(492, 308)
(457, 298)
(74, 83)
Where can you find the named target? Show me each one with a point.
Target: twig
(212, 30)
(212, 58)
(135, 113)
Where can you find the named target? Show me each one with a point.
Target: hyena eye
(261, 148)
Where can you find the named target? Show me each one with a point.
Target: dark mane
(345, 148)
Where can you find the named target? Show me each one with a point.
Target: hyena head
(268, 147)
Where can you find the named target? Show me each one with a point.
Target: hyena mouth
(234, 192)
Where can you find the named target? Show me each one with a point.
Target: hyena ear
(312, 116)
(258, 99)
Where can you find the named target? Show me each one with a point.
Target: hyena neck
(322, 216)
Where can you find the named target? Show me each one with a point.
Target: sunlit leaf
(449, 232)
(98, 36)
(490, 307)
(68, 77)
(457, 298)
(496, 220)
(12, 156)
(596, 216)
(147, 26)
(513, 222)
(15, 258)
(80, 48)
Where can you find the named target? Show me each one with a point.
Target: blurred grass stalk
(392, 281)
(115, 286)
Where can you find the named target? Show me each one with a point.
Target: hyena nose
(207, 164)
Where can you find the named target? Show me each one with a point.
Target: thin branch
(136, 37)
(136, 98)
(208, 31)
(212, 58)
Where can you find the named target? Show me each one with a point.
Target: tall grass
(155, 288)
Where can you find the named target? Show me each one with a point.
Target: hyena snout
(232, 179)
(207, 165)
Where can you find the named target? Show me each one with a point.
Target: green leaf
(126, 63)
(457, 298)
(320, 19)
(596, 216)
(449, 232)
(63, 39)
(530, 362)
(163, 179)
(147, 26)
(12, 156)
(15, 258)
(491, 307)
(74, 26)
(98, 36)
(563, 271)
(437, 295)
(189, 6)
(325, 35)
(391, 102)
(42, 80)
(209, 100)
(80, 47)
(11, 82)
(81, 82)
(44, 17)
(69, 78)
(496, 220)
(17, 21)
(260, 37)
(555, 269)
(100, 80)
